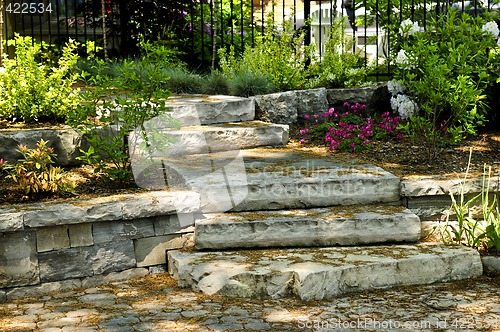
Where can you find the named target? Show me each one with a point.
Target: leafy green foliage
(337, 68)
(116, 106)
(36, 174)
(447, 71)
(31, 90)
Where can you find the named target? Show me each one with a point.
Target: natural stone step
(196, 110)
(227, 137)
(272, 179)
(307, 228)
(321, 273)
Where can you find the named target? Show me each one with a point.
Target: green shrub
(447, 70)
(337, 68)
(106, 120)
(31, 91)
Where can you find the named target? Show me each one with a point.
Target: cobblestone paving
(153, 303)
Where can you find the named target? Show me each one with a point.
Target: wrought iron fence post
(2, 50)
(307, 26)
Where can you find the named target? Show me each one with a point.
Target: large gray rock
(313, 101)
(321, 273)
(66, 143)
(110, 231)
(277, 107)
(66, 264)
(151, 251)
(308, 228)
(86, 261)
(491, 264)
(194, 110)
(437, 185)
(52, 238)
(10, 220)
(265, 179)
(376, 97)
(18, 259)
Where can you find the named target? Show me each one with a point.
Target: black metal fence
(199, 27)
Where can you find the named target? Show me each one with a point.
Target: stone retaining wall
(46, 247)
(290, 107)
(52, 247)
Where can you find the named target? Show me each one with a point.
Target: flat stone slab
(439, 185)
(194, 110)
(355, 225)
(320, 273)
(116, 207)
(227, 137)
(273, 179)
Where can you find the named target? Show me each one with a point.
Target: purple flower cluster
(349, 130)
(390, 124)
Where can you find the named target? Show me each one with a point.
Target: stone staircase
(280, 221)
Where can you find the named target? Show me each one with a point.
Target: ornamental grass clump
(349, 130)
(480, 231)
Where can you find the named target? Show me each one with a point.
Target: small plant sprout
(36, 174)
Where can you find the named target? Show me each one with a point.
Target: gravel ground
(154, 303)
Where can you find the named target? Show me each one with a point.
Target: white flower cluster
(491, 27)
(408, 28)
(404, 61)
(395, 87)
(404, 106)
(99, 113)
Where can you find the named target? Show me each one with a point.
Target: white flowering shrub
(409, 28)
(491, 27)
(395, 87)
(404, 106)
(404, 61)
(446, 71)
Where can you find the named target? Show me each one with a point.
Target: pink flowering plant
(349, 130)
